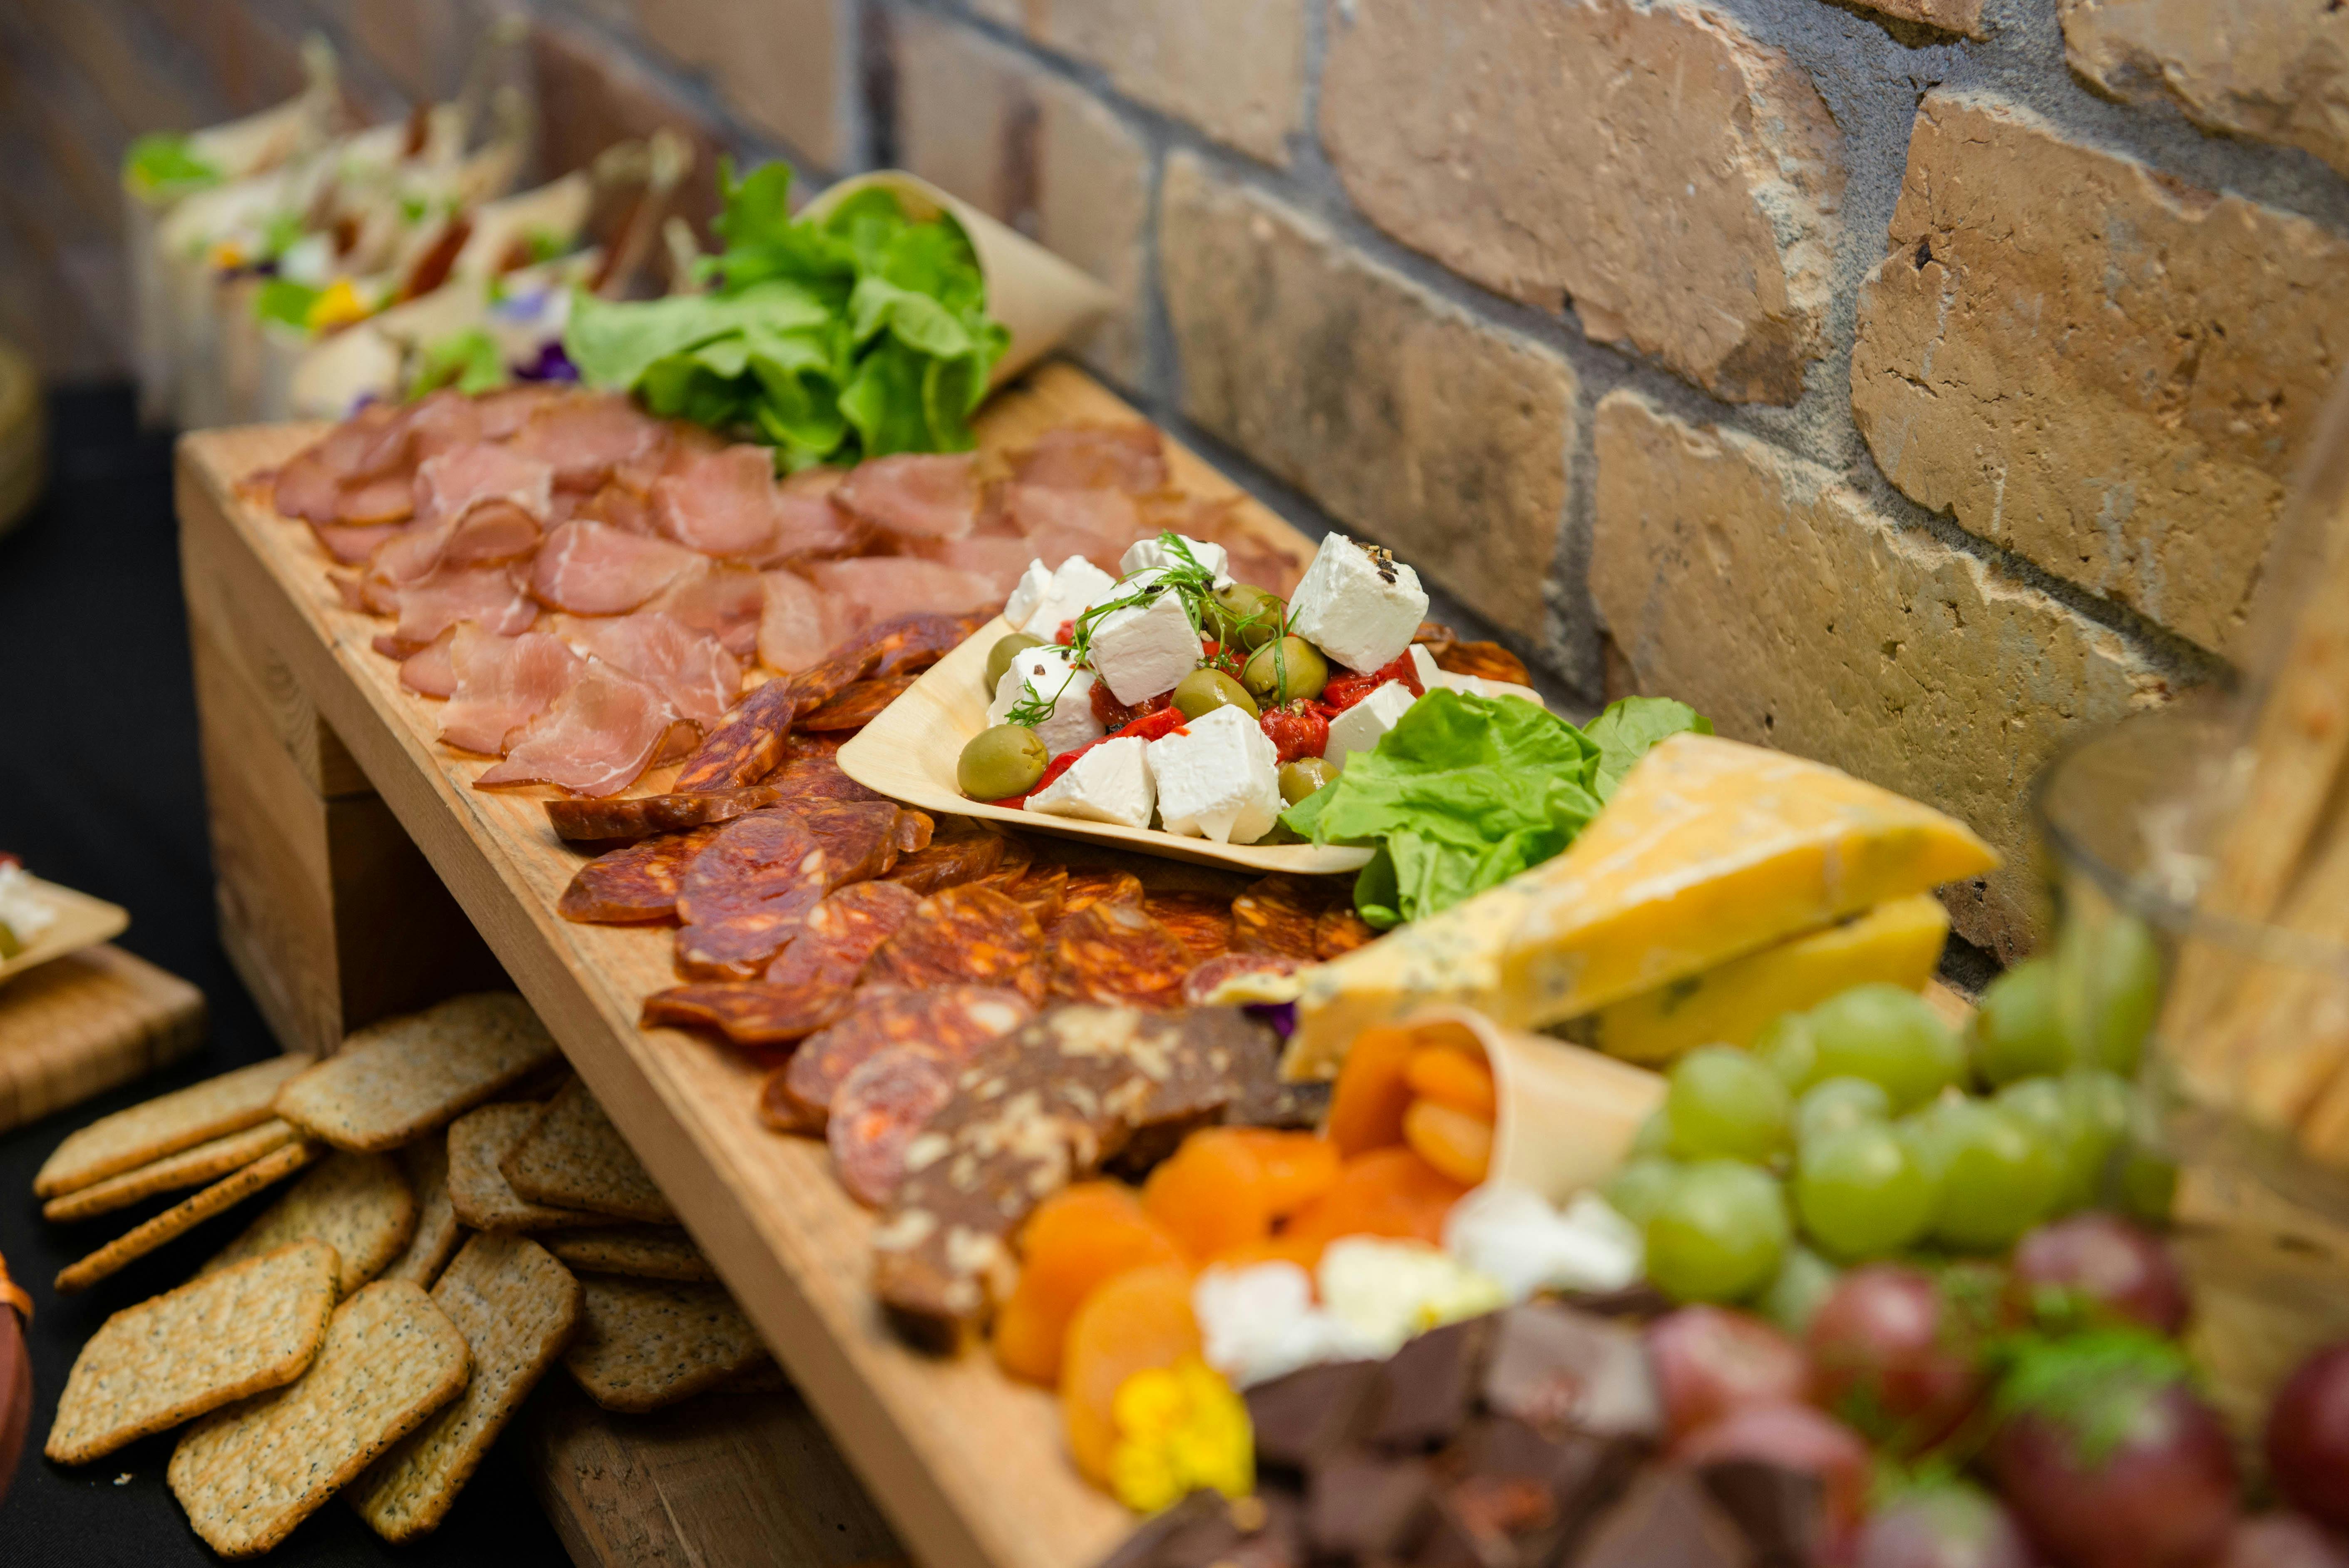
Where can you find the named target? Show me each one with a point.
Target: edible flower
(1179, 1428)
(1387, 1291)
(337, 304)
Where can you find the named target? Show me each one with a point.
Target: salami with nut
(1201, 922)
(1115, 953)
(876, 1112)
(1276, 914)
(1044, 1106)
(637, 883)
(955, 1021)
(746, 895)
(622, 822)
(1339, 932)
(1200, 985)
(972, 936)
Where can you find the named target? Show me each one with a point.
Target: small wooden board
(80, 1025)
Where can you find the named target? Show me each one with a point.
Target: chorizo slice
(953, 1021)
(857, 705)
(841, 933)
(912, 643)
(1116, 952)
(1339, 932)
(1276, 914)
(972, 936)
(746, 894)
(746, 746)
(949, 863)
(752, 1013)
(1089, 888)
(621, 821)
(875, 1112)
(817, 777)
(1042, 892)
(636, 883)
(1201, 922)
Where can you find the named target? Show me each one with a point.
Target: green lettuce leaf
(1629, 727)
(467, 360)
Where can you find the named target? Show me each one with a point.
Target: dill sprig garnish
(1192, 583)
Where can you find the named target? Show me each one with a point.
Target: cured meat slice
(603, 733)
(312, 481)
(796, 623)
(1275, 915)
(503, 683)
(963, 934)
(809, 986)
(807, 525)
(642, 816)
(353, 546)
(441, 422)
(1088, 888)
(876, 588)
(688, 666)
(840, 934)
(798, 747)
(950, 862)
(819, 778)
(1339, 932)
(746, 895)
(1097, 524)
(1115, 953)
(1199, 986)
(746, 746)
(860, 838)
(503, 411)
(1047, 1105)
(857, 705)
(1042, 893)
(429, 670)
(584, 436)
(914, 495)
(751, 1014)
(633, 884)
(721, 503)
(720, 598)
(595, 569)
(999, 558)
(955, 1021)
(1129, 457)
(376, 503)
(875, 1113)
(1201, 922)
(485, 595)
(618, 507)
(915, 642)
(1488, 660)
(455, 482)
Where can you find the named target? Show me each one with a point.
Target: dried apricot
(1303, 1252)
(1452, 1077)
(1138, 1320)
(1386, 1192)
(1211, 1194)
(1299, 1167)
(1075, 1239)
(1367, 1105)
(1456, 1143)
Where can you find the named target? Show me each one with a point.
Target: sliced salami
(840, 935)
(636, 883)
(746, 895)
(876, 1112)
(1275, 915)
(949, 863)
(860, 838)
(746, 746)
(972, 936)
(913, 643)
(953, 1021)
(1087, 889)
(1116, 952)
(623, 821)
(752, 1013)
(858, 704)
(1339, 932)
(1199, 986)
(1042, 892)
(1201, 922)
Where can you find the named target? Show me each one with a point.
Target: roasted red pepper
(1113, 715)
(1296, 729)
(1346, 687)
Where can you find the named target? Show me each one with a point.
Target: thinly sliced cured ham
(810, 526)
(720, 598)
(429, 671)
(721, 503)
(484, 595)
(374, 503)
(595, 569)
(1097, 524)
(587, 435)
(353, 546)
(501, 684)
(799, 625)
(1129, 457)
(999, 558)
(311, 482)
(503, 411)
(915, 495)
(444, 421)
(597, 739)
(618, 506)
(688, 666)
(883, 587)
(454, 482)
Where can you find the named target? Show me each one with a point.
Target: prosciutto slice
(1097, 524)
(915, 495)
(501, 684)
(586, 435)
(485, 594)
(428, 671)
(689, 667)
(353, 546)
(375, 502)
(998, 558)
(799, 625)
(721, 503)
(598, 739)
(883, 587)
(1129, 457)
(503, 412)
(809, 525)
(595, 569)
(720, 598)
(455, 482)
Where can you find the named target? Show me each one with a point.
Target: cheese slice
(1898, 943)
(1709, 849)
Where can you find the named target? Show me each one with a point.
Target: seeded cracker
(358, 1204)
(425, 1162)
(185, 1216)
(189, 1168)
(398, 1079)
(180, 1354)
(478, 1142)
(165, 1125)
(575, 1158)
(516, 1306)
(643, 1344)
(249, 1474)
(641, 1251)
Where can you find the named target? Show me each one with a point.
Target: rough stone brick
(142, 93)
(781, 65)
(1650, 165)
(1962, 16)
(2274, 69)
(2093, 365)
(1235, 68)
(1037, 151)
(1408, 421)
(591, 96)
(1774, 599)
(423, 46)
(253, 63)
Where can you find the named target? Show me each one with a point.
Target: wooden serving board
(968, 1466)
(80, 1025)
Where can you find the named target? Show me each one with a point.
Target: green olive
(1245, 613)
(1304, 776)
(999, 657)
(1286, 670)
(1203, 690)
(1001, 762)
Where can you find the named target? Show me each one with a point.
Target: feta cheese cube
(1359, 605)
(1111, 783)
(1142, 650)
(1219, 779)
(1050, 674)
(1431, 677)
(1042, 600)
(1145, 554)
(1359, 728)
(1423, 664)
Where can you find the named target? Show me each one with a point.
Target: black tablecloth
(101, 789)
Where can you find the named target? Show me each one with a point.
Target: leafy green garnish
(856, 337)
(2095, 1387)
(163, 163)
(469, 360)
(285, 301)
(1628, 729)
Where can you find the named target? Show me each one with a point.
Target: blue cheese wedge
(1111, 783)
(1043, 599)
(1218, 777)
(1360, 728)
(1357, 604)
(1145, 554)
(1142, 650)
(1047, 675)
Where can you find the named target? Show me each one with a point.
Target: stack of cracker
(375, 1328)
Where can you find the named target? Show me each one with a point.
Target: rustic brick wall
(1905, 382)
